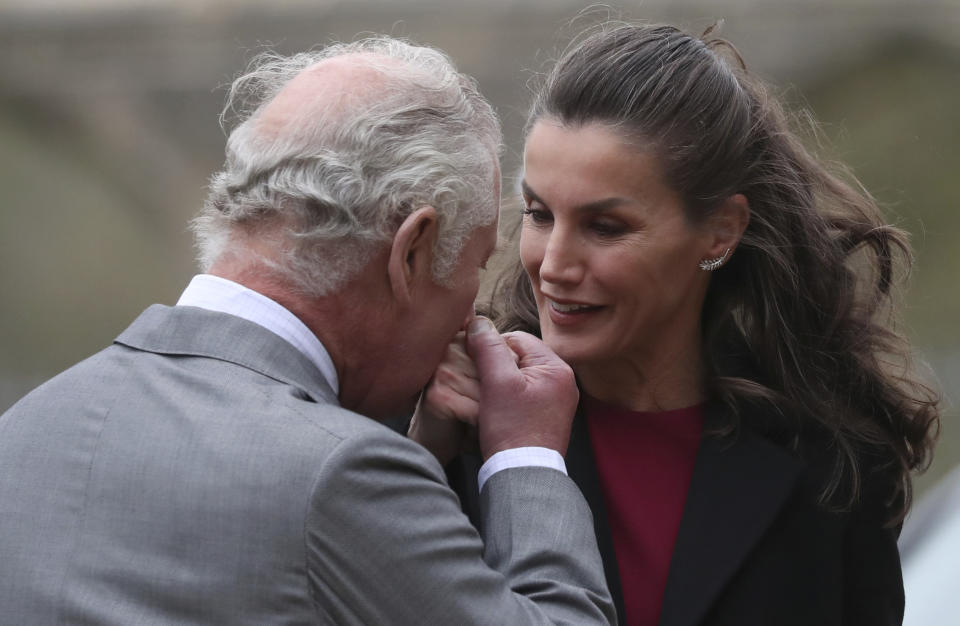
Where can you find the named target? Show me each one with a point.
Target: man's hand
(528, 395)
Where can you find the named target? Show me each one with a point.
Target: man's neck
(349, 323)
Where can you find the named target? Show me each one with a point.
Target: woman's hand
(446, 416)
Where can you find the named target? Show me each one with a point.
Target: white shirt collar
(225, 296)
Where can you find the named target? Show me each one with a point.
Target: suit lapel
(739, 485)
(191, 331)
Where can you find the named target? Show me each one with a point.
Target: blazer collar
(738, 487)
(582, 469)
(191, 331)
(739, 484)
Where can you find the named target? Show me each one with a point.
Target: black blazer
(754, 547)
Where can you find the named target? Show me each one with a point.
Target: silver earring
(708, 265)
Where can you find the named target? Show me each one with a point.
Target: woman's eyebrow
(590, 207)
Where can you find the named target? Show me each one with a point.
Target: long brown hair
(801, 319)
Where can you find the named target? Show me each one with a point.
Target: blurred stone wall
(108, 133)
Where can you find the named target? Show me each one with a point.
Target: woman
(749, 420)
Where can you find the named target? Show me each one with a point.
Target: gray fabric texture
(199, 471)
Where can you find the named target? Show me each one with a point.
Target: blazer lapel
(192, 331)
(739, 484)
(582, 469)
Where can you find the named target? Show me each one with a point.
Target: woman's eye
(607, 228)
(537, 216)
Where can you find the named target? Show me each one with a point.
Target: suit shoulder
(80, 379)
(366, 443)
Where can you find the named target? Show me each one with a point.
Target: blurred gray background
(108, 133)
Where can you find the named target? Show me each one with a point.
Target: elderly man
(218, 465)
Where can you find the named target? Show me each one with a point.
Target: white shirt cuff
(520, 457)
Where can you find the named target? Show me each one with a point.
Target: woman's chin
(572, 352)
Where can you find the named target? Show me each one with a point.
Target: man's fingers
(530, 351)
(488, 349)
(528, 395)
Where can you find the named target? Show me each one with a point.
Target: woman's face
(612, 258)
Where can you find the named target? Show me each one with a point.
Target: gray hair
(336, 182)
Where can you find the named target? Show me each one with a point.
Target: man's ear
(727, 225)
(411, 253)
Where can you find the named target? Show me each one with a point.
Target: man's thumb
(530, 350)
(488, 349)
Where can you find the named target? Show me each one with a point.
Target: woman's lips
(569, 312)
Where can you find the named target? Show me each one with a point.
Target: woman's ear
(411, 253)
(727, 225)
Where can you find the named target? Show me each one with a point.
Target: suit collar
(191, 331)
(219, 294)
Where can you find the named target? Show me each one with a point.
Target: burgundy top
(644, 461)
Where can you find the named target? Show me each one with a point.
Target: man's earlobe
(411, 253)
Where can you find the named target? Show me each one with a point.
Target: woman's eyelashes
(603, 227)
(537, 215)
(607, 227)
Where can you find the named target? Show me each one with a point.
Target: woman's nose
(561, 262)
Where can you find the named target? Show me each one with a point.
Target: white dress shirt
(225, 296)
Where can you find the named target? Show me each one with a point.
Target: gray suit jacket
(200, 471)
